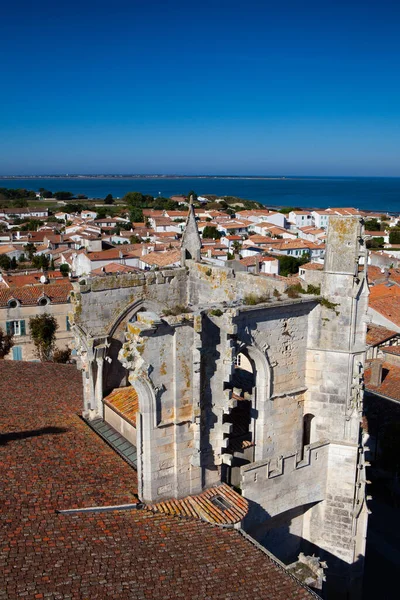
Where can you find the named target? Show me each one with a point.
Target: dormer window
(13, 303)
(44, 301)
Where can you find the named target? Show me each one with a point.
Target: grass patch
(253, 299)
(176, 310)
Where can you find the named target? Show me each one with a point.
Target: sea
(381, 194)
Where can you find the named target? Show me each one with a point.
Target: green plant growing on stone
(253, 299)
(216, 312)
(43, 332)
(208, 272)
(277, 294)
(313, 289)
(176, 310)
(328, 304)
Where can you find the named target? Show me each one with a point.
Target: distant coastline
(172, 176)
(364, 193)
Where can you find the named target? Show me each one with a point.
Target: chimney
(209, 252)
(376, 373)
(257, 266)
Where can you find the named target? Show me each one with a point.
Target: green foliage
(6, 343)
(376, 242)
(253, 299)
(136, 215)
(313, 289)
(5, 262)
(209, 272)
(17, 194)
(43, 332)
(285, 210)
(63, 195)
(277, 294)
(45, 193)
(64, 268)
(372, 225)
(109, 199)
(30, 249)
(133, 199)
(216, 312)
(289, 265)
(31, 225)
(394, 236)
(210, 232)
(41, 262)
(135, 239)
(293, 291)
(328, 304)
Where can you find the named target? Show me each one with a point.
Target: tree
(41, 262)
(109, 199)
(372, 225)
(63, 195)
(64, 268)
(6, 343)
(289, 265)
(136, 215)
(45, 193)
(210, 232)
(13, 264)
(134, 199)
(394, 236)
(43, 332)
(30, 249)
(5, 262)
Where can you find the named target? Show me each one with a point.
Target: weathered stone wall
(104, 300)
(208, 284)
(285, 482)
(164, 352)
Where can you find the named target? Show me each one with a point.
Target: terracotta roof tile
(219, 505)
(51, 460)
(377, 335)
(390, 386)
(125, 402)
(29, 295)
(388, 307)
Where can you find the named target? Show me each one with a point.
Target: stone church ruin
(200, 388)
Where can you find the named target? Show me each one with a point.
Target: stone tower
(335, 365)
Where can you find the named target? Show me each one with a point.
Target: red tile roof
(390, 386)
(312, 267)
(377, 335)
(388, 307)
(125, 402)
(29, 295)
(206, 506)
(50, 460)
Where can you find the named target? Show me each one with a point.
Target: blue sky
(218, 87)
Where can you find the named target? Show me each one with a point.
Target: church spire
(191, 242)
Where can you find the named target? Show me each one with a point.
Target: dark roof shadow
(21, 435)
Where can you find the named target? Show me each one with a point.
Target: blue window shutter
(68, 325)
(8, 328)
(22, 327)
(17, 353)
